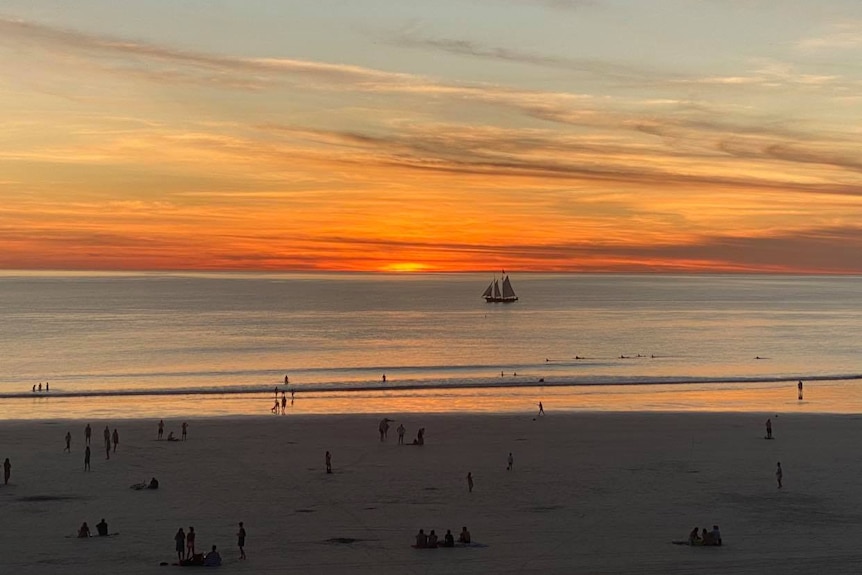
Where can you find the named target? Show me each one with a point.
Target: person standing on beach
(328, 462)
(116, 439)
(469, 482)
(190, 543)
(68, 442)
(779, 474)
(180, 540)
(87, 458)
(107, 435)
(511, 462)
(185, 430)
(7, 471)
(401, 431)
(161, 428)
(768, 428)
(88, 431)
(541, 409)
(240, 539)
(799, 387)
(283, 402)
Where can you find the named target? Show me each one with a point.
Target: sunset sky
(438, 135)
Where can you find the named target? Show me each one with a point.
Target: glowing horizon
(531, 135)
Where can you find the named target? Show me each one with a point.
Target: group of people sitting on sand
(101, 529)
(706, 537)
(211, 559)
(430, 541)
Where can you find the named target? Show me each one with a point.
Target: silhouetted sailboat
(493, 293)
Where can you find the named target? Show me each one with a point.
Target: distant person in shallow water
(283, 402)
(384, 378)
(799, 387)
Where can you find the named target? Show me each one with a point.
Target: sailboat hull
(501, 299)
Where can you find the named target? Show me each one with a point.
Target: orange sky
(408, 141)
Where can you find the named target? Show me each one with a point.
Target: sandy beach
(589, 493)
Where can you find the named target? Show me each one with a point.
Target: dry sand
(589, 493)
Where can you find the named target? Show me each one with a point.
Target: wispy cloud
(841, 36)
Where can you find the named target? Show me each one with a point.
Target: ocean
(141, 344)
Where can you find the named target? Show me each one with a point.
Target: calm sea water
(201, 335)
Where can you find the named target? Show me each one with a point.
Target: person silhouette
(779, 474)
(799, 387)
(161, 428)
(7, 471)
(87, 458)
(511, 462)
(185, 430)
(180, 540)
(68, 442)
(469, 482)
(240, 540)
(88, 431)
(768, 428)
(328, 462)
(116, 439)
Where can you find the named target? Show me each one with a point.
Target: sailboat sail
(492, 293)
(488, 290)
(508, 292)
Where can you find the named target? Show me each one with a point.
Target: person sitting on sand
(421, 540)
(84, 530)
(716, 535)
(432, 540)
(693, 537)
(464, 537)
(448, 539)
(102, 527)
(171, 437)
(154, 484)
(213, 559)
(706, 537)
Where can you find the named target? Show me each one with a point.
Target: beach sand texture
(589, 493)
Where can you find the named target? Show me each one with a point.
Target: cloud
(841, 36)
